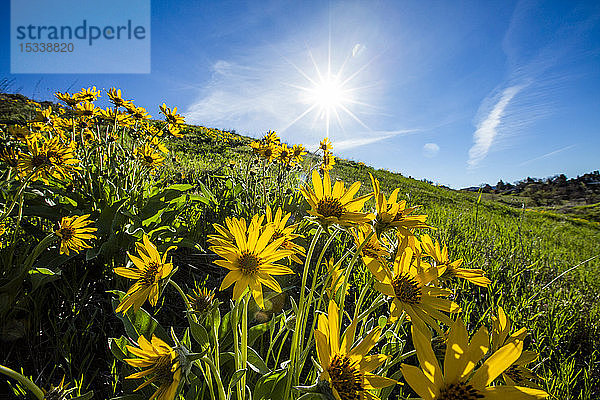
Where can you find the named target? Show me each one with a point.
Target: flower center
(66, 233)
(40, 160)
(330, 207)
(162, 370)
(149, 160)
(407, 289)
(345, 377)
(248, 263)
(149, 274)
(459, 391)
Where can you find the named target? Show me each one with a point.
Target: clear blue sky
(461, 93)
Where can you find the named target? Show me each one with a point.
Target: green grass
(521, 250)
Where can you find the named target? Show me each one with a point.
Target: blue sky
(461, 93)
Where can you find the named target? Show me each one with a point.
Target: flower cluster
(271, 149)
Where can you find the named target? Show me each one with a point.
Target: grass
(521, 250)
(543, 266)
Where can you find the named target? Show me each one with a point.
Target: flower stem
(293, 373)
(24, 381)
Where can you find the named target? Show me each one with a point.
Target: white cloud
(368, 138)
(431, 150)
(550, 154)
(487, 129)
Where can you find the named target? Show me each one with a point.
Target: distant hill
(578, 196)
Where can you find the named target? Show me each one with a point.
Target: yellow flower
(171, 115)
(9, 156)
(453, 269)
(114, 95)
(297, 152)
(89, 94)
(269, 152)
(148, 269)
(149, 157)
(256, 147)
(44, 120)
(250, 256)
(48, 158)
(458, 381)
(517, 373)
(284, 155)
(286, 232)
(73, 233)
(325, 145)
(22, 134)
(393, 214)
(271, 138)
(336, 276)
(70, 99)
(335, 206)
(137, 113)
(373, 253)
(161, 361)
(87, 109)
(59, 392)
(328, 162)
(411, 294)
(348, 369)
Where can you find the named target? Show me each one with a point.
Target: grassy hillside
(542, 265)
(522, 250)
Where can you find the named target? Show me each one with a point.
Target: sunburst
(330, 95)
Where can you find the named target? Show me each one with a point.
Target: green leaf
(140, 323)
(271, 386)
(118, 347)
(256, 363)
(42, 276)
(198, 332)
(237, 375)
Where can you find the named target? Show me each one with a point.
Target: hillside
(578, 197)
(543, 265)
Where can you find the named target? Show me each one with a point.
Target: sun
(330, 94)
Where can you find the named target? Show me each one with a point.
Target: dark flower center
(249, 263)
(407, 289)
(149, 274)
(149, 160)
(40, 160)
(162, 371)
(66, 233)
(345, 377)
(459, 391)
(330, 207)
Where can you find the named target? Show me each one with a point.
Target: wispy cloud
(487, 129)
(552, 153)
(370, 137)
(534, 74)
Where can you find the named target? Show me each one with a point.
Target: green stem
(188, 307)
(8, 210)
(299, 313)
(217, 375)
(24, 381)
(348, 271)
(244, 349)
(236, 346)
